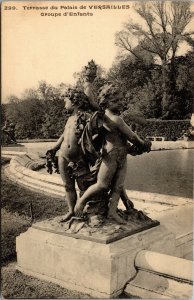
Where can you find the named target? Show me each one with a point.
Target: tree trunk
(165, 89)
(172, 79)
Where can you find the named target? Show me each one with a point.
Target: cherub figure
(112, 171)
(72, 162)
(90, 75)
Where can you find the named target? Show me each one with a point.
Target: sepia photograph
(97, 145)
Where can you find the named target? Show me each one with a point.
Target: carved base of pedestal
(108, 232)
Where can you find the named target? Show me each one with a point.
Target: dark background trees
(143, 86)
(162, 30)
(38, 114)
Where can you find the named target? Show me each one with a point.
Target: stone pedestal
(95, 268)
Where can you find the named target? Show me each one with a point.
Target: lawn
(17, 285)
(21, 207)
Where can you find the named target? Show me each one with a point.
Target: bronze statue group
(93, 152)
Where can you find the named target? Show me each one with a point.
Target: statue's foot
(67, 217)
(115, 216)
(142, 216)
(79, 210)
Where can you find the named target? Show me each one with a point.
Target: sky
(50, 48)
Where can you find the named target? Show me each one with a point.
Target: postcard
(96, 149)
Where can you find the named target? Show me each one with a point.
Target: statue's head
(90, 71)
(111, 97)
(74, 97)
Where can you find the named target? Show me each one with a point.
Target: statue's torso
(70, 148)
(113, 136)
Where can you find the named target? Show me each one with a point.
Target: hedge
(171, 130)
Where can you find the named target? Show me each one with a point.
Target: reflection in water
(166, 172)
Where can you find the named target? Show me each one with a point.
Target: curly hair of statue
(77, 97)
(107, 92)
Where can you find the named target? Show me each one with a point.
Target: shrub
(170, 129)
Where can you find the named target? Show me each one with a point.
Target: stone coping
(154, 262)
(37, 140)
(161, 276)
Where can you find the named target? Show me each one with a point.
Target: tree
(38, 113)
(11, 108)
(164, 29)
(3, 114)
(26, 113)
(141, 84)
(54, 118)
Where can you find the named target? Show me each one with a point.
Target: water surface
(166, 172)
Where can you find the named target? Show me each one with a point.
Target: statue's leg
(117, 188)
(106, 172)
(69, 185)
(126, 201)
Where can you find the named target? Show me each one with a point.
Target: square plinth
(107, 233)
(98, 269)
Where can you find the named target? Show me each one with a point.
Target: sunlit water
(166, 172)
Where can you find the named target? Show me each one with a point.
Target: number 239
(9, 7)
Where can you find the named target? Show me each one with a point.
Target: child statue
(112, 171)
(90, 75)
(71, 162)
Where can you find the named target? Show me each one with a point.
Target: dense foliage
(171, 130)
(142, 85)
(39, 113)
(158, 35)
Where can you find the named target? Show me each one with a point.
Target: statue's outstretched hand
(51, 161)
(51, 152)
(138, 150)
(134, 150)
(147, 146)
